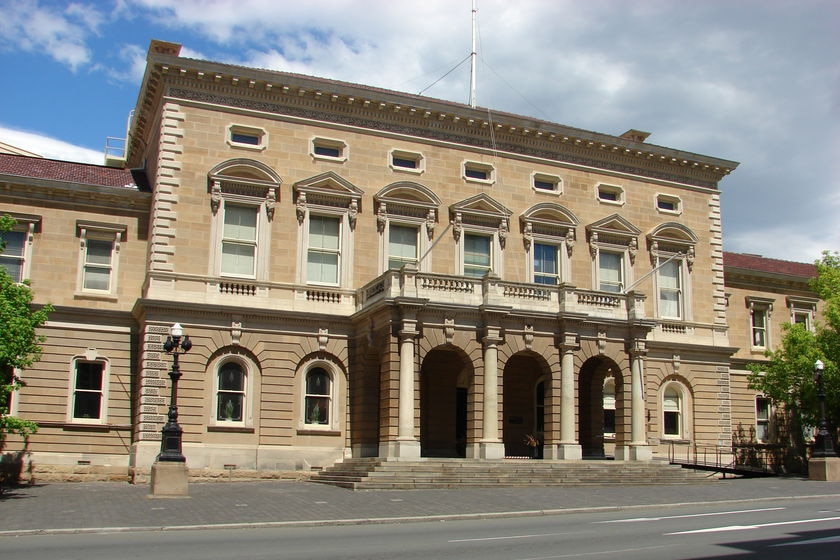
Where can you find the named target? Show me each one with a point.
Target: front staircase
(384, 474)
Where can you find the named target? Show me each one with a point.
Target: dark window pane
(328, 151)
(89, 376)
(403, 162)
(231, 378)
(317, 409)
(87, 404)
(230, 406)
(241, 138)
(317, 382)
(672, 423)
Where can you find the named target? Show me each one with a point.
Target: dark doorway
(445, 379)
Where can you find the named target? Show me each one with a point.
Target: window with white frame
(762, 419)
(248, 137)
(318, 397)
(609, 407)
(548, 231)
(478, 256)
(16, 256)
(239, 240)
(480, 226)
(760, 310)
(329, 149)
(609, 194)
(672, 412)
(668, 204)
(99, 247)
(243, 194)
(402, 245)
(475, 172)
(324, 250)
(613, 245)
(88, 391)
(409, 162)
(327, 207)
(406, 216)
(544, 183)
(13, 256)
(802, 311)
(231, 395)
(672, 256)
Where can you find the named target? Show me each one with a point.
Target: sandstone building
(364, 272)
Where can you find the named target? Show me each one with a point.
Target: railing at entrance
(739, 460)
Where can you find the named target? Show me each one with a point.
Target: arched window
(672, 409)
(231, 393)
(318, 397)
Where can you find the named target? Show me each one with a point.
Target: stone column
(407, 445)
(491, 446)
(639, 448)
(569, 447)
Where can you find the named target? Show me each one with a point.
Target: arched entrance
(525, 388)
(599, 405)
(446, 380)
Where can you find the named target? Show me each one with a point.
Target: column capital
(568, 341)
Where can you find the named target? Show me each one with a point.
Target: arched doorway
(446, 380)
(599, 405)
(525, 387)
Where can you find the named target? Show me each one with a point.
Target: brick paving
(101, 506)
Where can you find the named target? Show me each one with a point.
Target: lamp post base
(169, 479)
(824, 468)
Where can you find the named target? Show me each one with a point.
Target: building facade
(370, 273)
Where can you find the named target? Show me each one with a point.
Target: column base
(408, 449)
(169, 479)
(824, 468)
(491, 450)
(633, 452)
(563, 452)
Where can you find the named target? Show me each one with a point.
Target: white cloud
(50, 148)
(61, 35)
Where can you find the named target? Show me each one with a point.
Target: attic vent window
(610, 194)
(478, 172)
(411, 162)
(247, 137)
(547, 183)
(668, 204)
(328, 149)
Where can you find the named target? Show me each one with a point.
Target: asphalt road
(778, 529)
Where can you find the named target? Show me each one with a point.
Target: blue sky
(755, 81)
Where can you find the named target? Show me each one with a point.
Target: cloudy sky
(755, 81)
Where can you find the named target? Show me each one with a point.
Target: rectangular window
(239, 240)
(759, 327)
(546, 264)
(328, 151)
(802, 318)
(325, 148)
(481, 172)
(231, 395)
(669, 279)
(243, 138)
(610, 272)
(610, 193)
(477, 260)
(762, 419)
(324, 250)
(402, 245)
(96, 270)
(12, 257)
(88, 390)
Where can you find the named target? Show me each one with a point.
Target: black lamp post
(170, 443)
(823, 444)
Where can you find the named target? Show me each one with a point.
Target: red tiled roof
(70, 172)
(773, 266)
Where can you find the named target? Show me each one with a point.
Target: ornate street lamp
(823, 444)
(170, 443)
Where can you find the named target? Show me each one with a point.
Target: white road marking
(510, 537)
(641, 519)
(757, 526)
(598, 553)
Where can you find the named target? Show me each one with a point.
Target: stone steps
(377, 473)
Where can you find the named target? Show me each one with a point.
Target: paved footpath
(98, 507)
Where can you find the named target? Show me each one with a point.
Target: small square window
(326, 149)
(246, 137)
(478, 172)
(610, 194)
(411, 162)
(668, 204)
(546, 183)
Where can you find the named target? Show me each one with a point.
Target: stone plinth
(824, 468)
(169, 479)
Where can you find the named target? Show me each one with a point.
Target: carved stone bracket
(528, 336)
(430, 223)
(381, 217)
(449, 330)
(528, 235)
(216, 197)
(570, 242)
(323, 338)
(457, 226)
(504, 229)
(352, 213)
(270, 203)
(300, 207)
(235, 332)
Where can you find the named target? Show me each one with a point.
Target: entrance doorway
(445, 383)
(599, 406)
(524, 395)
